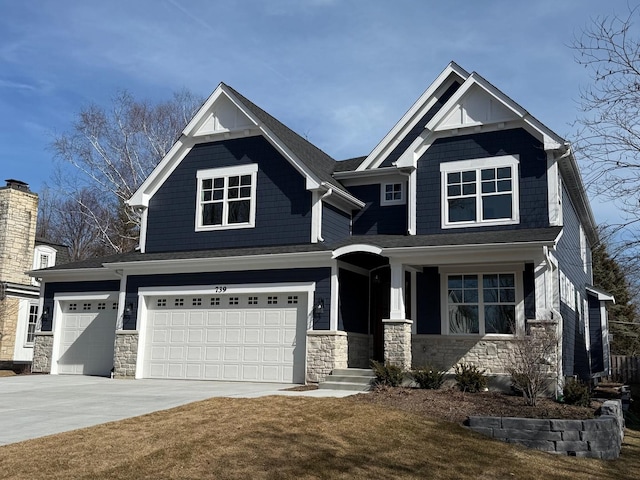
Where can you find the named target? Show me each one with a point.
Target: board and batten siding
(533, 177)
(283, 205)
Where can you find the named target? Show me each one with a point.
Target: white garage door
(248, 337)
(87, 336)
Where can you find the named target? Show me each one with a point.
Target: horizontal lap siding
(321, 276)
(428, 301)
(533, 178)
(283, 206)
(53, 288)
(336, 224)
(375, 219)
(574, 345)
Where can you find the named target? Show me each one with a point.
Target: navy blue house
(262, 258)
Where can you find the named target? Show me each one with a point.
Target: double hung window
(481, 303)
(480, 192)
(226, 198)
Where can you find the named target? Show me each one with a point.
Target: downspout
(326, 194)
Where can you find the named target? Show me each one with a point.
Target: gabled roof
(228, 114)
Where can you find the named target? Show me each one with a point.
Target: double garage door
(244, 337)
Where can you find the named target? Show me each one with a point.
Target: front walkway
(33, 406)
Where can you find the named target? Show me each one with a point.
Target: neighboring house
(21, 251)
(263, 259)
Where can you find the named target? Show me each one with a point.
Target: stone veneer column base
(397, 342)
(125, 354)
(42, 352)
(326, 351)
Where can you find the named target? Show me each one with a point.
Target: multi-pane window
(234, 300)
(226, 197)
(215, 301)
(32, 322)
(480, 192)
(392, 194)
(272, 300)
(196, 302)
(481, 303)
(253, 301)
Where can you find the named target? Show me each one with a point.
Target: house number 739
(219, 289)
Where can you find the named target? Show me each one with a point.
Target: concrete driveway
(33, 406)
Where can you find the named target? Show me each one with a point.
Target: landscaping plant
(577, 392)
(428, 377)
(470, 378)
(387, 374)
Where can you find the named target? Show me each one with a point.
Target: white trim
(144, 293)
(57, 313)
(477, 165)
(397, 311)
(414, 300)
(335, 293)
(316, 217)
(224, 173)
(356, 248)
(403, 193)
(414, 114)
(142, 242)
(480, 270)
(412, 195)
(554, 191)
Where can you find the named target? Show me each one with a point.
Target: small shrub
(428, 377)
(577, 393)
(387, 374)
(470, 378)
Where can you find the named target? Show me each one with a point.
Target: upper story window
(481, 191)
(226, 198)
(392, 193)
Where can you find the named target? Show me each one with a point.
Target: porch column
(397, 329)
(397, 342)
(397, 291)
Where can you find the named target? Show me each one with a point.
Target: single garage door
(87, 336)
(248, 337)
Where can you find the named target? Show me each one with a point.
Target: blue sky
(340, 72)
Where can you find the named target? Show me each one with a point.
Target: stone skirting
(42, 352)
(596, 438)
(397, 342)
(125, 354)
(326, 350)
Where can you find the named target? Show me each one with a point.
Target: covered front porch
(404, 305)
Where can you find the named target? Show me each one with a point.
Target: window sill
(214, 228)
(495, 223)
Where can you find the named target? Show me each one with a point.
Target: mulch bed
(455, 406)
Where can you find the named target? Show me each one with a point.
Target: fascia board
(472, 253)
(601, 295)
(197, 119)
(409, 119)
(345, 198)
(79, 274)
(355, 174)
(221, 264)
(550, 139)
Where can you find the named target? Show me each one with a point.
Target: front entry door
(380, 307)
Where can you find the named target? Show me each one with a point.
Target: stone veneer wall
(491, 354)
(397, 342)
(596, 438)
(42, 352)
(359, 346)
(326, 350)
(125, 354)
(9, 311)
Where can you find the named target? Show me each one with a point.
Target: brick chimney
(18, 215)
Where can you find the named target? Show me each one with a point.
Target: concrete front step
(358, 379)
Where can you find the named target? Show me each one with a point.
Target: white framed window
(32, 321)
(482, 191)
(583, 248)
(226, 198)
(482, 303)
(392, 193)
